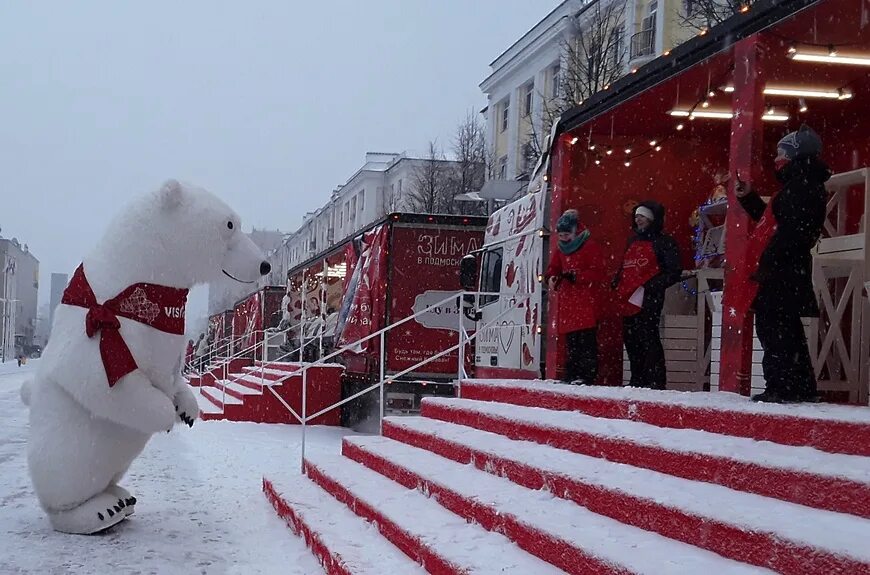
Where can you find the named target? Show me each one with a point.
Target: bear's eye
(229, 225)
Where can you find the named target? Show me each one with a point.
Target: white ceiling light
(701, 114)
(769, 116)
(838, 94)
(832, 57)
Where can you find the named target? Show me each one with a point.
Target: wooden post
(746, 147)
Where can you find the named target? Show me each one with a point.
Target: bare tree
(698, 15)
(596, 55)
(468, 172)
(428, 182)
(593, 57)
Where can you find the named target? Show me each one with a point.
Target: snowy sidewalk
(201, 507)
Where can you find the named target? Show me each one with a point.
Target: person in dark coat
(651, 265)
(787, 230)
(575, 273)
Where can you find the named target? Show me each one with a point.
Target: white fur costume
(83, 433)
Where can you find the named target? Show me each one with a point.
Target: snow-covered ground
(200, 505)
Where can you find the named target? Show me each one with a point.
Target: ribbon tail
(117, 358)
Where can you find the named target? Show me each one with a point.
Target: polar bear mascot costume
(111, 375)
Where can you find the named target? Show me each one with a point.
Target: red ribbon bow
(160, 307)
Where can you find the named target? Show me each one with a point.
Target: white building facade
(380, 187)
(527, 76)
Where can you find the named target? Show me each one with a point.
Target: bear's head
(178, 236)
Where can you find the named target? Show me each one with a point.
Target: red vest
(159, 306)
(639, 265)
(741, 299)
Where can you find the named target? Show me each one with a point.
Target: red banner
(425, 270)
(365, 292)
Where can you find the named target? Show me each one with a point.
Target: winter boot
(768, 397)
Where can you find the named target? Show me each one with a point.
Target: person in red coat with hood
(575, 274)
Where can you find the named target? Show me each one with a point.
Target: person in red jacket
(575, 274)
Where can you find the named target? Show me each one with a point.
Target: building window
(505, 112)
(689, 7)
(362, 201)
(556, 80)
(502, 168)
(528, 98)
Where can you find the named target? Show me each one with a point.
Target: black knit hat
(801, 144)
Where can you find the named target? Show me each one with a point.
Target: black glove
(570, 276)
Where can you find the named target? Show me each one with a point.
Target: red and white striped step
(344, 543)
(603, 480)
(219, 398)
(556, 530)
(439, 540)
(833, 428)
(802, 475)
(743, 526)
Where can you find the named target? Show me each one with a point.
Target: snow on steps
(556, 530)
(802, 475)
(344, 543)
(767, 532)
(234, 388)
(424, 530)
(206, 407)
(833, 428)
(218, 398)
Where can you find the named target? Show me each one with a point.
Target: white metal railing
(463, 340)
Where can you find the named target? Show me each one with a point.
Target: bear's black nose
(265, 268)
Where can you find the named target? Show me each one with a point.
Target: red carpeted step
(833, 428)
(746, 527)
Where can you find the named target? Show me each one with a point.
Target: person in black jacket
(651, 265)
(784, 273)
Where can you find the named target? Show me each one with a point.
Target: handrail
(427, 360)
(304, 418)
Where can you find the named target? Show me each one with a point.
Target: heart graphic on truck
(506, 335)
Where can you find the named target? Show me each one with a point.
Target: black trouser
(640, 333)
(787, 368)
(582, 356)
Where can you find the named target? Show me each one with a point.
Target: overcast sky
(269, 104)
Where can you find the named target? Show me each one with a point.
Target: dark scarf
(568, 248)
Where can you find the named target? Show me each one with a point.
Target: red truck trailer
(400, 265)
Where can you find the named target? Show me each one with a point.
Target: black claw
(111, 513)
(121, 503)
(100, 515)
(131, 501)
(117, 509)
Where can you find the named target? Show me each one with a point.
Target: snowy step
(428, 533)
(833, 428)
(234, 388)
(205, 405)
(267, 373)
(746, 527)
(558, 531)
(802, 475)
(253, 382)
(344, 543)
(218, 398)
(285, 366)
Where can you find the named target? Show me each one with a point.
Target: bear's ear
(171, 194)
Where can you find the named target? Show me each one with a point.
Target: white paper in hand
(637, 297)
